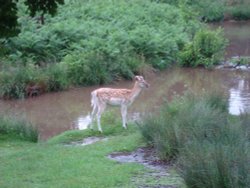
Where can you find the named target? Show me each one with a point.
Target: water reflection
(83, 122)
(239, 98)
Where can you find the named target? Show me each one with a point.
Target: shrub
(57, 79)
(219, 162)
(216, 10)
(16, 127)
(240, 60)
(142, 28)
(91, 68)
(85, 69)
(206, 49)
(14, 81)
(239, 11)
(175, 125)
(211, 147)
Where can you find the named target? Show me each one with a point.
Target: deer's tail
(94, 99)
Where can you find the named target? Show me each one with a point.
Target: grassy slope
(53, 164)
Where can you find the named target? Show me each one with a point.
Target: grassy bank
(54, 163)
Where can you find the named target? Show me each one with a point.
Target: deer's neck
(135, 92)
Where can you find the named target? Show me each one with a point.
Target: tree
(8, 18)
(8, 13)
(43, 6)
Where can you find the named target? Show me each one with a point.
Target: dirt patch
(158, 169)
(145, 156)
(88, 141)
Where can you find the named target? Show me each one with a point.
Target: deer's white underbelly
(116, 101)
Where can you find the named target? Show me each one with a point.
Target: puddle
(145, 156)
(158, 169)
(87, 141)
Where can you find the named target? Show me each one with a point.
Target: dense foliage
(206, 49)
(18, 82)
(211, 147)
(215, 10)
(95, 42)
(8, 18)
(107, 28)
(8, 13)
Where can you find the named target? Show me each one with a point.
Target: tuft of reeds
(18, 128)
(211, 147)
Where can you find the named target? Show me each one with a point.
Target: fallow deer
(102, 97)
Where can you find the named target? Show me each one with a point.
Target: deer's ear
(137, 78)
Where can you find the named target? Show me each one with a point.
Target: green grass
(65, 166)
(56, 164)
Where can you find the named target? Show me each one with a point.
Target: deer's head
(142, 83)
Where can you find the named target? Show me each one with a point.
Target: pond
(54, 113)
(238, 34)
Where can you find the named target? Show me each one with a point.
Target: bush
(206, 49)
(211, 147)
(216, 10)
(87, 69)
(177, 121)
(57, 79)
(142, 28)
(219, 162)
(91, 68)
(16, 127)
(239, 12)
(15, 81)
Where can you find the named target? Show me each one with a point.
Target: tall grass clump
(207, 49)
(240, 11)
(222, 161)
(14, 81)
(211, 148)
(56, 77)
(177, 120)
(17, 128)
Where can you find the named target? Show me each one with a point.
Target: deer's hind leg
(92, 116)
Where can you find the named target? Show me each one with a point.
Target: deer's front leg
(124, 116)
(101, 109)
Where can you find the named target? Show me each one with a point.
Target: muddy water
(238, 34)
(54, 113)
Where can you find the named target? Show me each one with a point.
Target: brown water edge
(54, 113)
